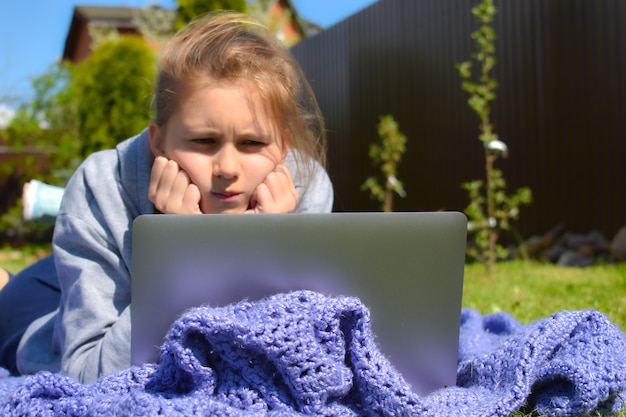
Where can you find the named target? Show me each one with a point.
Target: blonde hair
(231, 47)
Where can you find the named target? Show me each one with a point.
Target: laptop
(406, 267)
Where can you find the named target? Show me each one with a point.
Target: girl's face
(224, 139)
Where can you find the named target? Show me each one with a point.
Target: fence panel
(560, 107)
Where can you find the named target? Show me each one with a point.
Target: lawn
(532, 290)
(14, 260)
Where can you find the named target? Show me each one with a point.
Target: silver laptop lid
(407, 268)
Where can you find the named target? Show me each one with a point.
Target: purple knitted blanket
(303, 353)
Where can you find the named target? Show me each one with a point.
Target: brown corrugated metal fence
(560, 107)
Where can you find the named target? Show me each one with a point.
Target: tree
(79, 109)
(44, 131)
(491, 210)
(277, 23)
(82, 108)
(387, 155)
(48, 126)
(113, 88)
(190, 9)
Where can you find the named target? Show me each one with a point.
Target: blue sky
(32, 34)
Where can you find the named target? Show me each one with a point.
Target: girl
(236, 130)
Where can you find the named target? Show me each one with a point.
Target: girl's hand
(277, 194)
(170, 189)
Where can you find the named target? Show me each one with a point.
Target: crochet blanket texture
(302, 353)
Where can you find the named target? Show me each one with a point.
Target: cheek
(197, 167)
(259, 169)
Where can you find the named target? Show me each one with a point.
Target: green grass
(14, 260)
(531, 290)
(526, 290)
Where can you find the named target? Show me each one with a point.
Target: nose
(226, 162)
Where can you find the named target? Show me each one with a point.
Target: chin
(223, 207)
(225, 210)
(233, 211)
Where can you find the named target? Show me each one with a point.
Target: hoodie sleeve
(92, 245)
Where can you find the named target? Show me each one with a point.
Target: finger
(184, 197)
(163, 183)
(176, 192)
(282, 188)
(166, 176)
(191, 199)
(155, 175)
(280, 179)
(284, 170)
(276, 194)
(261, 200)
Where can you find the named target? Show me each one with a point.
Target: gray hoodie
(88, 336)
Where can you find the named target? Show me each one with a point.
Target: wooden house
(279, 15)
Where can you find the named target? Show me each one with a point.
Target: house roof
(118, 17)
(122, 18)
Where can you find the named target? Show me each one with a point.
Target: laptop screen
(407, 268)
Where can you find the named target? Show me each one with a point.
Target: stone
(618, 245)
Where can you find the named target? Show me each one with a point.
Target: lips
(225, 195)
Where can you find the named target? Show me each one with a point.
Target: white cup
(41, 201)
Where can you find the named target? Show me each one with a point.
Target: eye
(253, 143)
(204, 141)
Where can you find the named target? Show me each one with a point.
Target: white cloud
(6, 115)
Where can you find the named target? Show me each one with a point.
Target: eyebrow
(244, 133)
